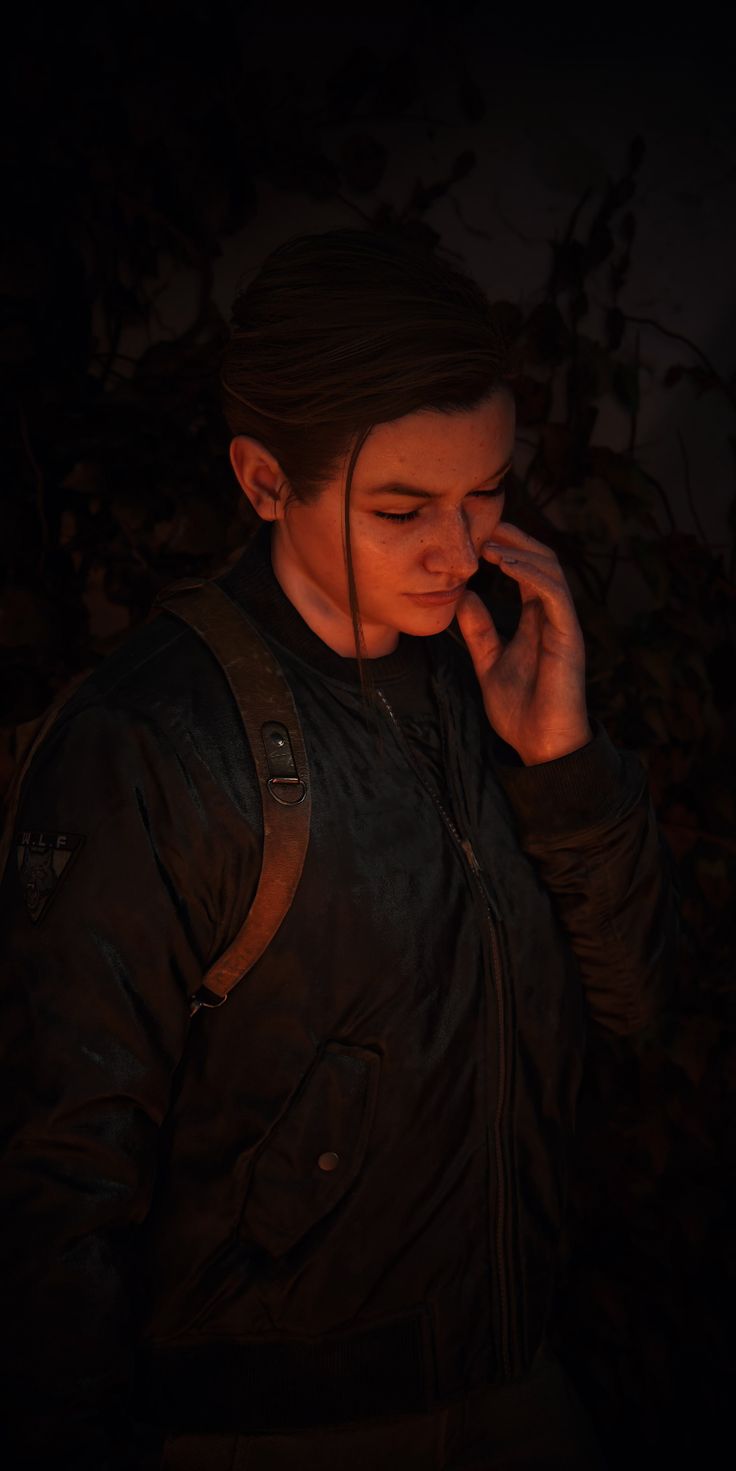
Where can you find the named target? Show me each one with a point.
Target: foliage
(638, 1316)
(118, 481)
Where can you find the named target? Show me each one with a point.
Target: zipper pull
(490, 897)
(467, 848)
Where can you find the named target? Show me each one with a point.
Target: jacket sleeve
(109, 917)
(587, 822)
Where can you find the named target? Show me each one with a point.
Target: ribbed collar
(253, 583)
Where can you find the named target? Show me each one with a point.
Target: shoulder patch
(43, 859)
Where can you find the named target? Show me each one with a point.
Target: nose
(451, 551)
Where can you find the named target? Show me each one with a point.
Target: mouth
(432, 599)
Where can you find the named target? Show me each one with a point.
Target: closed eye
(410, 515)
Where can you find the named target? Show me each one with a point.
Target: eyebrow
(397, 487)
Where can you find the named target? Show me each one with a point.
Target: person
(319, 1226)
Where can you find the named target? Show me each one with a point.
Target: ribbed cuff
(565, 796)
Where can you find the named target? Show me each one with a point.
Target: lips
(438, 595)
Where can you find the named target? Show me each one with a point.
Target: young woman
(318, 1227)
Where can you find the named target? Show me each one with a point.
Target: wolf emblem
(42, 860)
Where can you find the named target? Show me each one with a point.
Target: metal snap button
(329, 1160)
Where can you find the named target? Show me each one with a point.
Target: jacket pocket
(315, 1151)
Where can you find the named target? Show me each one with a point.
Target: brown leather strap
(271, 723)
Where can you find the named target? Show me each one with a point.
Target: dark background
(583, 168)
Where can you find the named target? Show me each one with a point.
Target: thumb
(479, 631)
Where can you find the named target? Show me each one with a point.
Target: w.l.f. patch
(43, 859)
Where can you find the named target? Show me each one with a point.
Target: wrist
(555, 750)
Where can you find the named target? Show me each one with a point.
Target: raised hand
(534, 686)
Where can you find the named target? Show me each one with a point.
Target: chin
(424, 622)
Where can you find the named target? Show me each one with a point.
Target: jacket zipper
(466, 848)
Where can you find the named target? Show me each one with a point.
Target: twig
(661, 492)
(471, 229)
(206, 278)
(678, 337)
(572, 222)
(635, 410)
(355, 207)
(689, 490)
(520, 235)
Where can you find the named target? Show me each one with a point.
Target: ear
(259, 476)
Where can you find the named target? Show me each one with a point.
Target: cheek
(377, 541)
(383, 554)
(485, 518)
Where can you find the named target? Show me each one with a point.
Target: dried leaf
(532, 397)
(592, 513)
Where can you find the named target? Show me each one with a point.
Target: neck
(331, 623)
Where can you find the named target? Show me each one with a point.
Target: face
(427, 492)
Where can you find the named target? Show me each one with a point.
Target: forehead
(439, 449)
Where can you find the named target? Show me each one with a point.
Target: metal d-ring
(287, 781)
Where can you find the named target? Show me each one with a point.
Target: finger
(479, 631)
(508, 556)
(506, 534)
(514, 555)
(537, 582)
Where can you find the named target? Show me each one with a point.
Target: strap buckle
(284, 782)
(205, 997)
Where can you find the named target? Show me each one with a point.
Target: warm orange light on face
(406, 545)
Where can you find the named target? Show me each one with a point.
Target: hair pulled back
(341, 331)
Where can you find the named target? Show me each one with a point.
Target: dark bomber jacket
(339, 1195)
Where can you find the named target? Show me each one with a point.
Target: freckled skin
(448, 454)
(534, 687)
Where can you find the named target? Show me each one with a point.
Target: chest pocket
(315, 1151)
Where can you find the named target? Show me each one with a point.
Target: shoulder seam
(176, 635)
